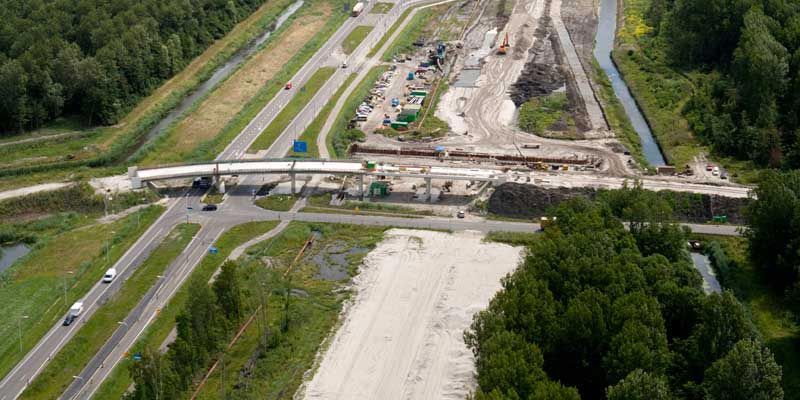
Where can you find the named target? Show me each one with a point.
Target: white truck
(73, 313)
(357, 9)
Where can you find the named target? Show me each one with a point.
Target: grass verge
(34, 286)
(275, 368)
(381, 8)
(277, 202)
(616, 116)
(211, 148)
(289, 112)
(70, 361)
(323, 201)
(312, 132)
(154, 335)
(388, 33)
(355, 38)
(404, 43)
(512, 238)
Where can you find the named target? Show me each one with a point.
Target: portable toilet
(410, 76)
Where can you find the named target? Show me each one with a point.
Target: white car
(110, 275)
(715, 171)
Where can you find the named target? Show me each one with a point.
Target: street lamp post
(65, 287)
(19, 327)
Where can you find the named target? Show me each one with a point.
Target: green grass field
(312, 132)
(276, 370)
(35, 285)
(277, 202)
(119, 380)
(778, 328)
(288, 113)
(404, 42)
(355, 38)
(70, 361)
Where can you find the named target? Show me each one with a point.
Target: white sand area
(402, 337)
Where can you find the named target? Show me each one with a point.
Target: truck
(73, 313)
(357, 9)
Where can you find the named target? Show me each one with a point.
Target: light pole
(65, 287)
(19, 327)
(108, 245)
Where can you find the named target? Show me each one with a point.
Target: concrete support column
(294, 180)
(428, 188)
(361, 187)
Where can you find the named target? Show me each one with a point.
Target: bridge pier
(294, 182)
(133, 175)
(360, 179)
(428, 189)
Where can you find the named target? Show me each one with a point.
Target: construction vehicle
(503, 49)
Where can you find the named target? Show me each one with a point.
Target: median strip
(72, 358)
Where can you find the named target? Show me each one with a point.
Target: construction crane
(503, 49)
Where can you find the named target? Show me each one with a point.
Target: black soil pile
(537, 80)
(528, 201)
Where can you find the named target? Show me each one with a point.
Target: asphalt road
(237, 209)
(18, 379)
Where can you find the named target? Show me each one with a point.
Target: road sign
(213, 250)
(300, 146)
(137, 357)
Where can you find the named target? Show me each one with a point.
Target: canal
(604, 43)
(11, 253)
(219, 75)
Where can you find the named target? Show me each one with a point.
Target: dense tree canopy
(589, 310)
(747, 109)
(97, 57)
(774, 230)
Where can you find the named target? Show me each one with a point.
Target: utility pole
(19, 327)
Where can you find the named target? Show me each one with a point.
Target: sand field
(402, 335)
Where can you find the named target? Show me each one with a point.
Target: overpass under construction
(292, 167)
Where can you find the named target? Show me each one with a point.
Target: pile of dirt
(537, 80)
(529, 201)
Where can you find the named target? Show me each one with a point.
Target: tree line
(773, 233)
(209, 317)
(96, 58)
(747, 106)
(597, 311)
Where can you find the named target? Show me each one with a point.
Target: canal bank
(604, 44)
(218, 76)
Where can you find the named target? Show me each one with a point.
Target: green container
(400, 125)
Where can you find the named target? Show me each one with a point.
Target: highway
(237, 209)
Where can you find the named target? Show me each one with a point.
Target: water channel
(703, 265)
(220, 73)
(604, 43)
(11, 253)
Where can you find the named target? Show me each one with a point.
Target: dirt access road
(486, 112)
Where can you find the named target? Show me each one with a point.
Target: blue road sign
(300, 146)
(137, 357)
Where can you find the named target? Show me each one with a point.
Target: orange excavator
(503, 49)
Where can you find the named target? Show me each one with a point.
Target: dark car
(68, 320)
(210, 207)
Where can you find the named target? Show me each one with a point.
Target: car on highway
(210, 207)
(73, 313)
(110, 275)
(288, 85)
(344, 64)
